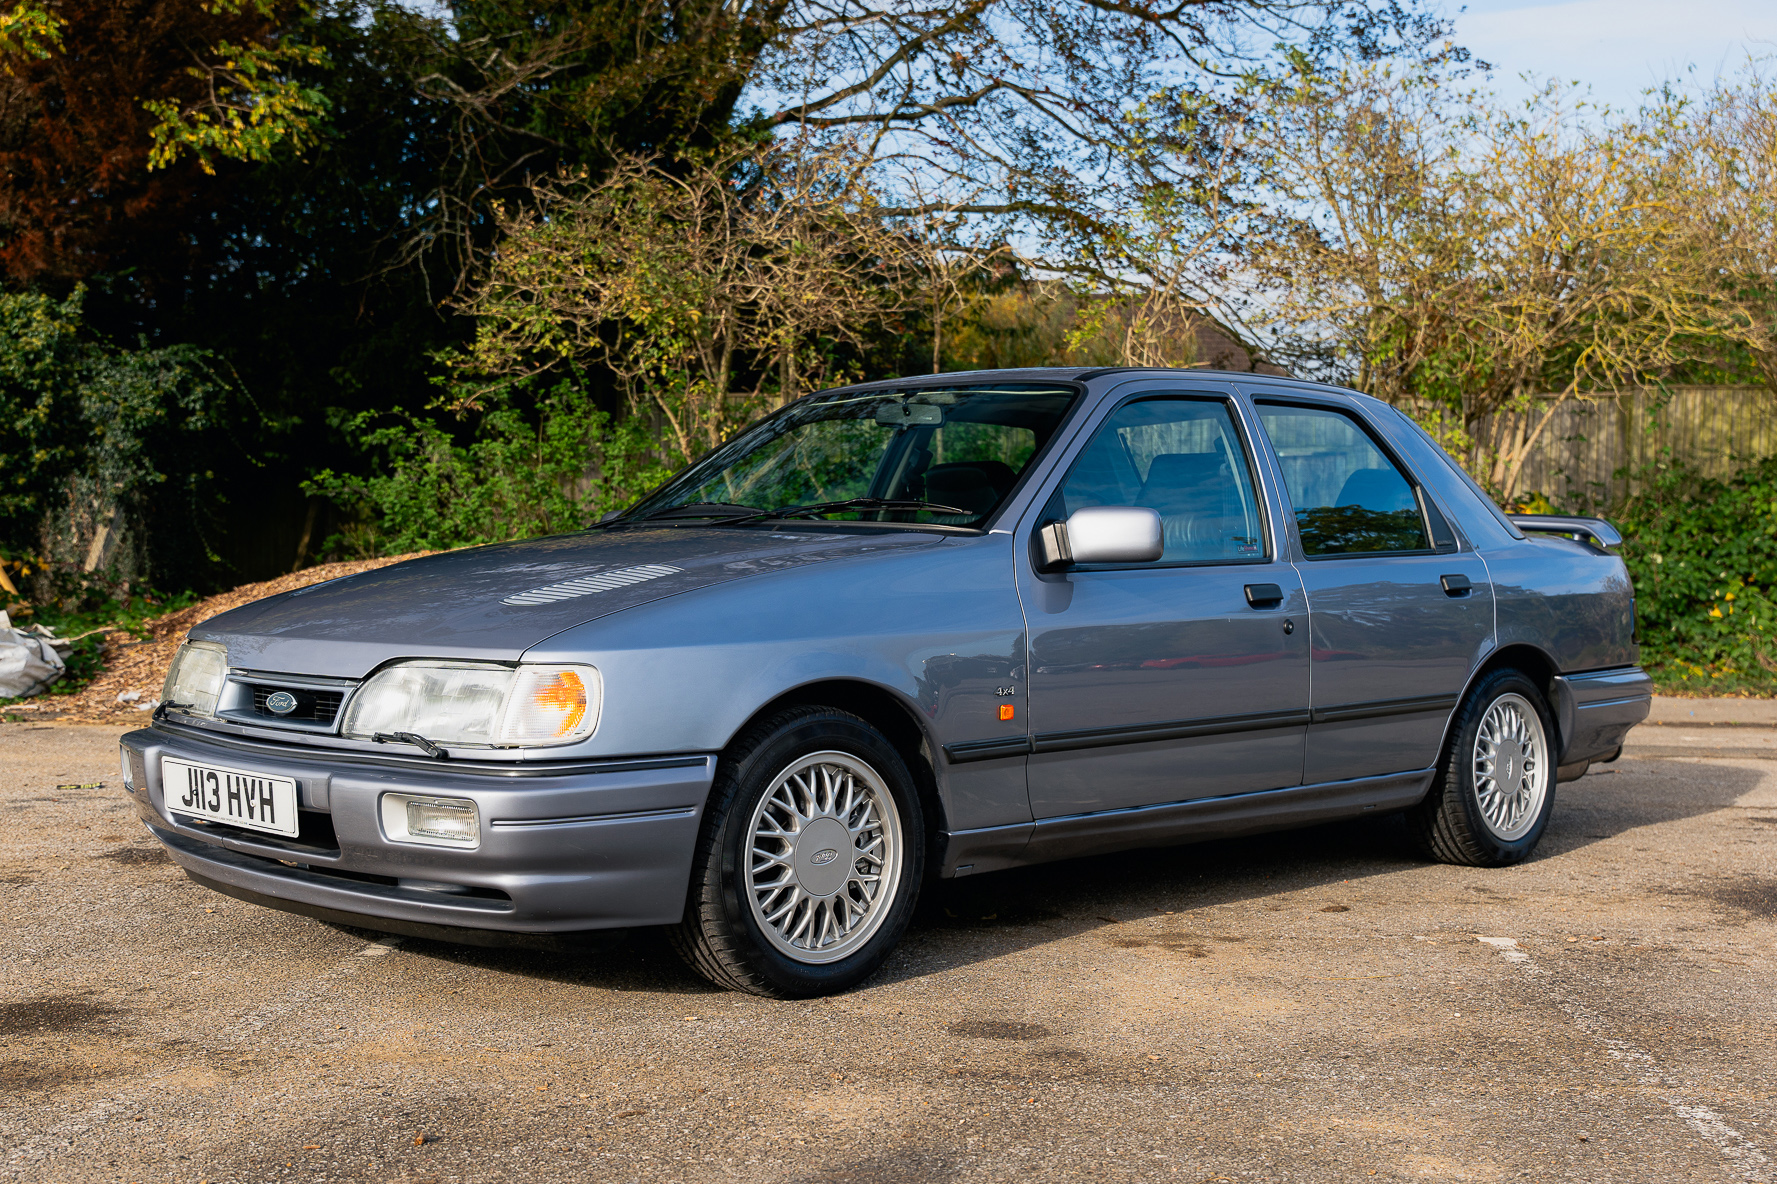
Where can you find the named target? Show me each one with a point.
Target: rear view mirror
(1103, 534)
(900, 415)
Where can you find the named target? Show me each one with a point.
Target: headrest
(967, 487)
(1195, 482)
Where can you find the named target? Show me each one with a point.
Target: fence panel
(1585, 456)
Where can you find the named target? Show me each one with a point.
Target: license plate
(252, 800)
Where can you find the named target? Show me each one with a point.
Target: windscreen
(936, 456)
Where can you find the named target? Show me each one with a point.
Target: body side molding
(1172, 823)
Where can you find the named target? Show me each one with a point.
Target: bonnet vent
(604, 581)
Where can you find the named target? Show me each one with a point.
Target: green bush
(558, 467)
(1703, 555)
(105, 454)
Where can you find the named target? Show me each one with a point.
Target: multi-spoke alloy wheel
(809, 860)
(1494, 787)
(824, 857)
(1511, 767)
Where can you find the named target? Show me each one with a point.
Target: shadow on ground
(960, 922)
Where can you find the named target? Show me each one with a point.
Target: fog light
(436, 822)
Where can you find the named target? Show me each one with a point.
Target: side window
(1348, 497)
(1183, 459)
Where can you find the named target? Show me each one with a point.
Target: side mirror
(1103, 534)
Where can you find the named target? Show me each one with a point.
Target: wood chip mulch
(132, 665)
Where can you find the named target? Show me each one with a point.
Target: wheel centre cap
(1510, 764)
(823, 857)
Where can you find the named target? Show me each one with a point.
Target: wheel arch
(1531, 661)
(889, 712)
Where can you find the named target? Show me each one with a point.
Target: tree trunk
(1510, 485)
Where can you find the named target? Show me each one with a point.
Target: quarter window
(1183, 459)
(1348, 497)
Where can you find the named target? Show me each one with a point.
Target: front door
(1397, 613)
(1160, 682)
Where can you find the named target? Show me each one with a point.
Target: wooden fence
(1588, 454)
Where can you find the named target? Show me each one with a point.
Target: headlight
(473, 704)
(195, 680)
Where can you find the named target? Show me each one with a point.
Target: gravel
(1317, 1005)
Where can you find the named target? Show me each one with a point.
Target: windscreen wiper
(854, 503)
(418, 741)
(692, 512)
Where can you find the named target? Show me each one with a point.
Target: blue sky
(1617, 46)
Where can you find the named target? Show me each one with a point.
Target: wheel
(809, 861)
(1495, 788)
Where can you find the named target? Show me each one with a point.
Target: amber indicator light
(1005, 711)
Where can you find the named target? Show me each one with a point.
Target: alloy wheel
(823, 857)
(1511, 767)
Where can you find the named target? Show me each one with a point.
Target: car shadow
(961, 922)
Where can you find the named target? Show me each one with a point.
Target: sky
(1619, 47)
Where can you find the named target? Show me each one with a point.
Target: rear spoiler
(1594, 530)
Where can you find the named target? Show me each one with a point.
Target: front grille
(319, 706)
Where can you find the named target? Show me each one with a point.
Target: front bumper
(1595, 710)
(588, 845)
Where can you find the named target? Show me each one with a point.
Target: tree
(1465, 262)
(708, 287)
(1724, 147)
(79, 103)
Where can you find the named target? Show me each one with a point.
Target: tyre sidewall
(1462, 765)
(752, 778)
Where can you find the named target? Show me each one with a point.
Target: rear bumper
(1595, 710)
(597, 845)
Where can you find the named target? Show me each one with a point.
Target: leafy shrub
(518, 475)
(1703, 555)
(104, 453)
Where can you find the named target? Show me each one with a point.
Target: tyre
(809, 860)
(1495, 787)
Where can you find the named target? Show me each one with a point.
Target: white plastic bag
(28, 664)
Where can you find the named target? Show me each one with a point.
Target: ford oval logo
(823, 858)
(280, 703)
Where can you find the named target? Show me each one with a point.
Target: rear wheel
(809, 860)
(1495, 788)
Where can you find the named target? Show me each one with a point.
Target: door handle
(1264, 595)
(1455, 585)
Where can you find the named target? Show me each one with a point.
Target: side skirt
(1200, 819)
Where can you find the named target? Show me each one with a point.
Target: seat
(1198, 503)
(1382, 490)
(975, 486)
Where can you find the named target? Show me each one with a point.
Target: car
(898, 631)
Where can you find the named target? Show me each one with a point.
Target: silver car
(922, 628)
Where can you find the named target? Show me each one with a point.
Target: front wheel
(809, 859)
(1495, 788)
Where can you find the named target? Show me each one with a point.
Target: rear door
(1159, 682)
(1399, 612)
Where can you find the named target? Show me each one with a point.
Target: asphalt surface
(1318, 1005)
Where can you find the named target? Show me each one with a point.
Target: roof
(1081, 374)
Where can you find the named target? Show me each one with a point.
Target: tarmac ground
(1315, 1005)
